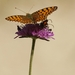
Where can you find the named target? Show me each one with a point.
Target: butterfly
(35, 17)
(44, 23)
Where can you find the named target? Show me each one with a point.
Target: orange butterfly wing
(39, 15)
(19, 18)
(42, 14)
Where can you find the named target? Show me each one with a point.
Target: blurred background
(56, 57)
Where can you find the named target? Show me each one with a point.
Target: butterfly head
(29, 16)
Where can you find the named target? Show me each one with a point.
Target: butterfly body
(29, 16)
(35, 17)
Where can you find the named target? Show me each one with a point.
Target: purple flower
(39, 30)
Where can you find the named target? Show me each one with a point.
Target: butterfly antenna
(20, 10)
(31, 8)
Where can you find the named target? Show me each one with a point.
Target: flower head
(38, 30)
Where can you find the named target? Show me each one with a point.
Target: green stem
(31, 56)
